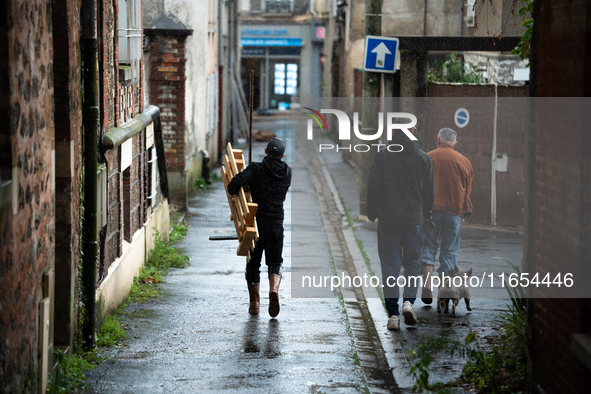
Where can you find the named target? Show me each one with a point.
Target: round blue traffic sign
(462, 117)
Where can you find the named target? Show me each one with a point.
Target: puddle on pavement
(142, 313)
(134, 356)
(227, 272)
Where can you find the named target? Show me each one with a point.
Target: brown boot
(427, 294)
(274, 281)
(255, 298)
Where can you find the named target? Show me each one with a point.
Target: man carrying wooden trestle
(268, 181)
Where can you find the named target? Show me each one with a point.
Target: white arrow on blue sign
(380, 54)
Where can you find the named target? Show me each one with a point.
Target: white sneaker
(394, 322)
(409, 314)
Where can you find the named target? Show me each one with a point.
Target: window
(278, 6)
(470, 17)
(130, 38)
(286, 78)
(255, 6)
(272, 6)
(127, 205)
(153, 180)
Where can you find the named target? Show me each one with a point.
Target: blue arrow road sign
(380, 54)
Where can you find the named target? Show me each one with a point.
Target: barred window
(278, 6)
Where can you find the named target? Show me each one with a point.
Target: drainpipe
(493, 183)
(232, 41)
(462, 20)
(425, 19)
(312, 9)
(90, 120)
(220, 83)
(347, 26)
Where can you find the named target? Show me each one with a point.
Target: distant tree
(453, 69)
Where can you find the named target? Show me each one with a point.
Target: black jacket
(401, 186)
(268, 182)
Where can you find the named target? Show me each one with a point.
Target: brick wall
(122, 100)
(27, 241)
(167, 91)
(134, 184)
(558, 202)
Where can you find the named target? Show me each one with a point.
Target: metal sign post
(250, 117)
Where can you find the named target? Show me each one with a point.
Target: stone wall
(27, 241)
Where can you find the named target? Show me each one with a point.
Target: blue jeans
(399, 246)
(450, 226)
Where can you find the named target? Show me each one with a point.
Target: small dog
(454, 293)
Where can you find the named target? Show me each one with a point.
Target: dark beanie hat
(276, 147)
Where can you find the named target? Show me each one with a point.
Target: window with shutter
(256, 6)
(278, 6)
(130, 38)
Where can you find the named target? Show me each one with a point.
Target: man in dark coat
(268, 182)
(400, 193)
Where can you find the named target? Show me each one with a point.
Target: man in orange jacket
(453, 182)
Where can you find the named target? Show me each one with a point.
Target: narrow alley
(197, 336)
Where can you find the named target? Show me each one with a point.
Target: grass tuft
(70, 371)
(179, 231)
(503, 370)
(112, 332)
(164, 257)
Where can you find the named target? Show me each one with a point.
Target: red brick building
(558, 200)
(44, 174)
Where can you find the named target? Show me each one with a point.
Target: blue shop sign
(271, 42)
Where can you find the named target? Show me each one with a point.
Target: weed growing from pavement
(179, 231)
(201, 184)
(503, 370)
(163, 257)
(111, 333)
(69, 371)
